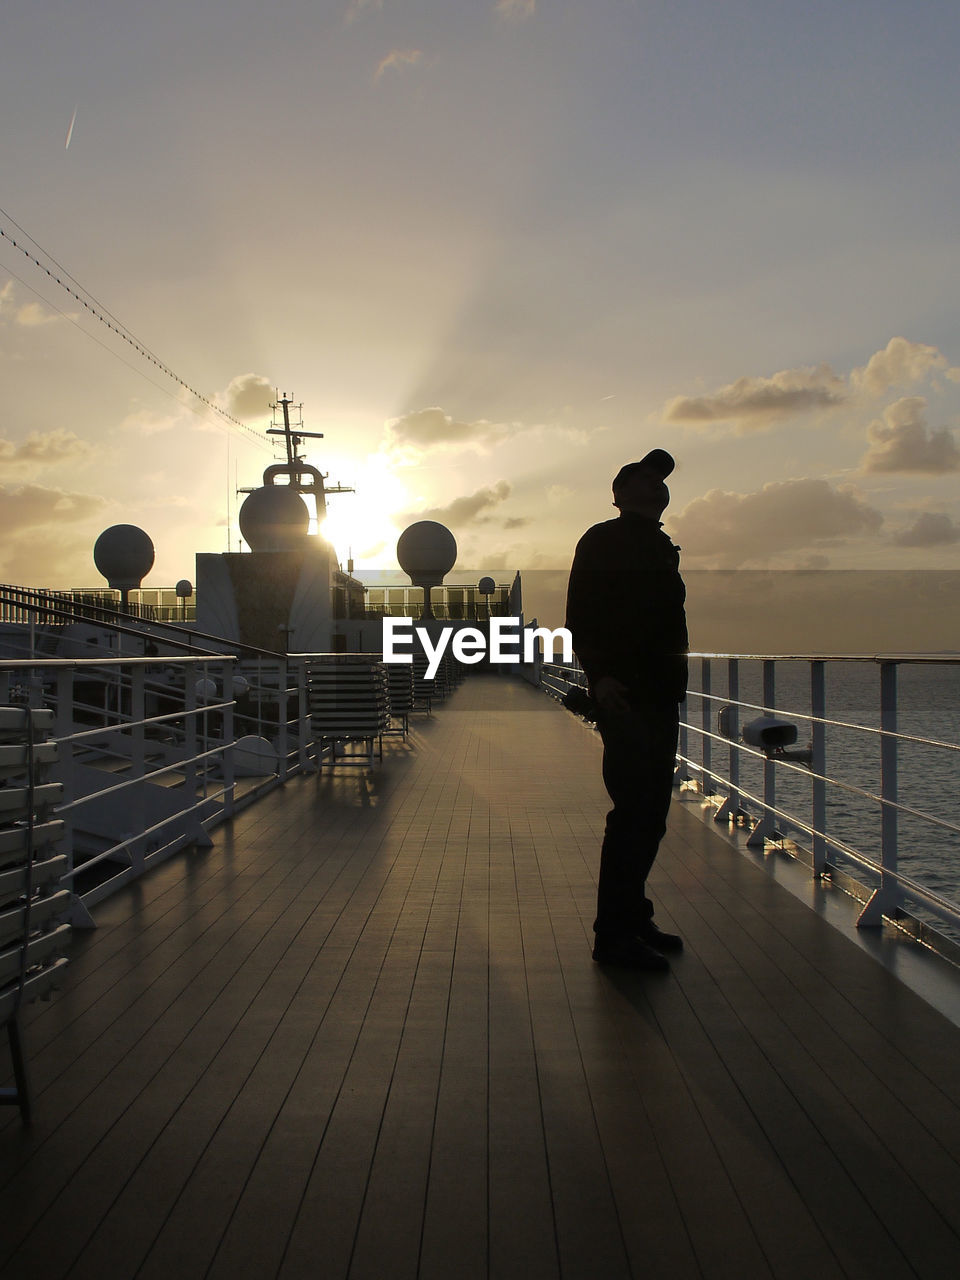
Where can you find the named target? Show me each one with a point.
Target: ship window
(455, 602)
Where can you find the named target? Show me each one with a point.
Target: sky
(496, 248)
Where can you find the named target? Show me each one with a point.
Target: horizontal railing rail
(158, 798)
(869, 800)
(43, 608)
(20, 604)
(439, 611)
(163, 730)
(16, 603)
(155, 751)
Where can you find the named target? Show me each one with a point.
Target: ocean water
(928, 776)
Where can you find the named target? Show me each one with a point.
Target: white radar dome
(124, 555)
(274, 518)
(426, 551)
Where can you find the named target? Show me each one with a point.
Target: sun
(363, 526)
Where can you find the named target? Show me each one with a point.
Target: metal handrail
(933, 899)
(885, 901)
(195, 806)
(171, 633)
(834, 724)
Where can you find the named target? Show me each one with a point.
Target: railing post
(201, 676)
(229, 737)
(730, 809)
(681, 773)
(706, 742)
(190, 733)
(885, 901)
(63, 728)
(138, 762)
(818, 764)
(283, 711)
(303, 714)
(261, 689)
(766, 825)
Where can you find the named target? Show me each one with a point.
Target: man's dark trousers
(639, 758)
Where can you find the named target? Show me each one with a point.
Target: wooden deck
(363, 1036)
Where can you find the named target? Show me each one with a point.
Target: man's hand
(610, 694)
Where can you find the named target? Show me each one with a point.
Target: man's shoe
(661, 941)
(630, 953)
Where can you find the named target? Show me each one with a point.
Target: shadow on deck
(363, 1036)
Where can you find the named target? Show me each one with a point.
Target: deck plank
(362, 1036)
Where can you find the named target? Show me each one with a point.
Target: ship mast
(291, 439)
(302, 477)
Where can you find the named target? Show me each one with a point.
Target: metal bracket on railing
(882, 902)
(730, 812)
(885, 901)
(765, 829)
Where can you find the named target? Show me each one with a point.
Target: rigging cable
(65, 315)
(101, 314)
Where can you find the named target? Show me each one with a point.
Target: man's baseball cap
(657, 460)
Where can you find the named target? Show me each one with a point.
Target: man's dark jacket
(625, 608)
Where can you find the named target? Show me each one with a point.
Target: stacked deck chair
(32, 938)
(451, 673)
(425, 692)
(349, 704)
(400, 687)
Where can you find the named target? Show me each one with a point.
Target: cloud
(248, 396)
(464, 511)
(901, 364)
(432, 430)
(189, 416)
(29, 315)
(31, 506)
(357, 8)
(425, 429)
(803, 515)
(371, 550)
(931, 529)
(756, 404)
(245, 396)
(149, 422)
(42, 448)
(516, 10)
(398, 59)
(903, 442)
(32, 315)
(45, 559)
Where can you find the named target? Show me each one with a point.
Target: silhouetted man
(625, 613)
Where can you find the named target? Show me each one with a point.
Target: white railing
(870, 796)
(156, 751)
(162, 731)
